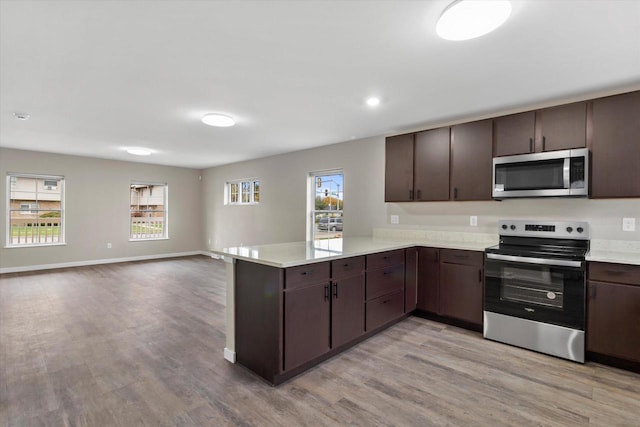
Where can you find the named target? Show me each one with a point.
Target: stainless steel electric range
(535, 286)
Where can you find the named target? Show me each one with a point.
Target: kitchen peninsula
(292, 305)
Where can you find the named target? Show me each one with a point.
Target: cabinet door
(471, 160)
(514, 134)
(428, 280)
(615, 146)
(431, 171)
(563, 127)
(411, 280)
(461, 292)
(613, 320)
(306, 324)
(398, 182)
(347, 311)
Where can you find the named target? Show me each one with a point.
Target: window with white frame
(148, 211)
(35, 205)
(242, 192)
(327, 203)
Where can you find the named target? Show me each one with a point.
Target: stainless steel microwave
(562, 173)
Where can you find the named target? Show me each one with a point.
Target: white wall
(281, 214)
(97, 209)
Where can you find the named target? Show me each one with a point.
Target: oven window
(539, 286)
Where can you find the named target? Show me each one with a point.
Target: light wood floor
(141, 344)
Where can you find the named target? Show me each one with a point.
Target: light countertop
(618, 257)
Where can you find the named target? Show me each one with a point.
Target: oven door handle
(540, 261)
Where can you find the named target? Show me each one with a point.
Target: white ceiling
(99, 76)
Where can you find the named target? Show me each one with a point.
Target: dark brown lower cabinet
(347, 310)
(306, 323)
(429, 280)
(461, 285)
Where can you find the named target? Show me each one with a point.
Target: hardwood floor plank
(141, 344)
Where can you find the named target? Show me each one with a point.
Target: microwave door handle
(540, 261)
(566, 172)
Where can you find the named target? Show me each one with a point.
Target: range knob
(513, 227)
(504, 226)
(579, 229)
(569, 229)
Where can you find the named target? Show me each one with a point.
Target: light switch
(628, 224)
(395, 219)
(473, 221)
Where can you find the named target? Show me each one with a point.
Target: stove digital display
(533, 227)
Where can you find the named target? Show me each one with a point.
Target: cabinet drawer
(385, 259)
(384, 309)
(455, 256)
(306, 275)
(384, 281)
(616, 273)
(347, 267)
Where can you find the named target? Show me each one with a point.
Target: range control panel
(554, 229)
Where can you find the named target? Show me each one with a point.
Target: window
(242, 192)
(36, 210)
(327, 203)
(148, 207)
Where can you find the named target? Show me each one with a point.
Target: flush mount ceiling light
(21, 116)
(467, 19)
(218, 120)
(139, 151)
(373, 101)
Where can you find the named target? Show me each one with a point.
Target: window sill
(149, 240)
(34, 246)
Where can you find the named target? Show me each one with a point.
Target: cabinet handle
(437, 256)
(592, 292)
(410, 194)
(544, 141)
(480, 275)
(455, 193)
(335, 290)
(419, 194)
(386, 301)
(531, 145)
(326, 293)
(304, 273)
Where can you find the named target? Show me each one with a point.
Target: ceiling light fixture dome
(137, 151)
(468, 19)
(218, 120)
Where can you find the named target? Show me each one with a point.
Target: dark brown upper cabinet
(556, 128)
(514, 134)
(471, 161)
(615, 146)
(431, 165)
(398, 183)
(562, 128)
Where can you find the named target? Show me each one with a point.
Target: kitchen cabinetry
(555, 128)
(615, 146)
(431, 165)
(471, 161)
(384, 288)
(613, 311)
(347, 300)
(411, 280)
(398, 183)
(429, 280)
(461, 280)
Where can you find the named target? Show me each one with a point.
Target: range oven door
(537, 289)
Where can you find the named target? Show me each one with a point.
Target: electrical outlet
(473, 221)
(109, 245)
(628, 224)
(395, 219)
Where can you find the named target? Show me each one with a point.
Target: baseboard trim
(99, 261)
(230, 355)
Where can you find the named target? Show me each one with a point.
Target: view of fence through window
(328, 198)
(148, 211)
(35, 210)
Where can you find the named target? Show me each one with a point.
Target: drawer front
(384, 309)
(347, 267)
(385, 259)
(616, 273)
(384, 281)
(455, 256)
(309, 274)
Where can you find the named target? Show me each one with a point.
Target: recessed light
(373, 101)
(139, 151)
(467, 19)
(218, 120)
(21, 116)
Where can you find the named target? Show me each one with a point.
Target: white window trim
(239, 182)
(63, 216)
(166, 212)
(311, 197)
